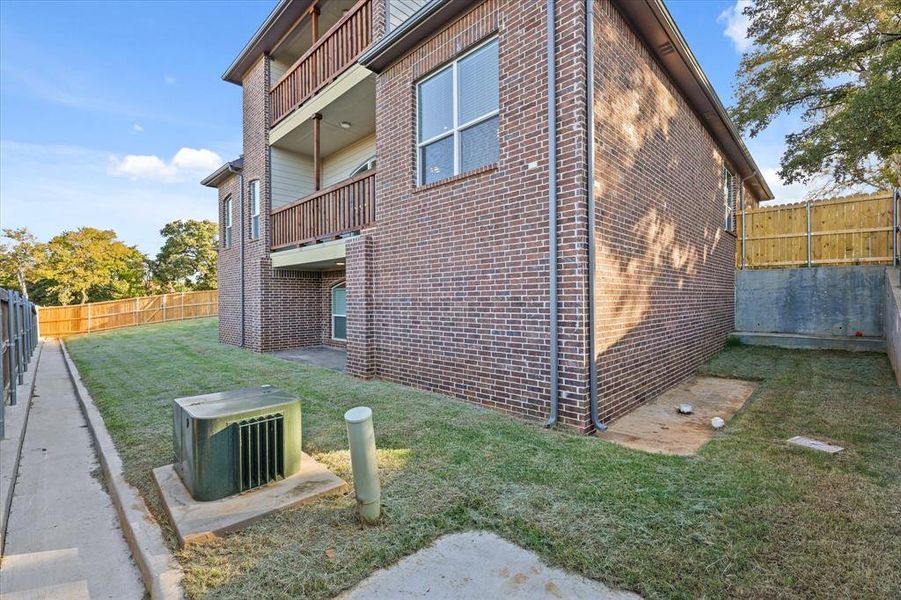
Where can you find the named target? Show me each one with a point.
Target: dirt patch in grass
(749, 516)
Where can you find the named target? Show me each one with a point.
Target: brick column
(360, 344)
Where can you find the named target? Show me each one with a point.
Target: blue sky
(111, 112)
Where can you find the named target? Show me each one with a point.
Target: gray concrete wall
(818, 300)
(892, 320)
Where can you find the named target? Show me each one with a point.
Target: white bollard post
(361, 438)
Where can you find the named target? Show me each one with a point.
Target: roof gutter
(431, 17)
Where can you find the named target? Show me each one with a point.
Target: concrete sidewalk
(63, 539)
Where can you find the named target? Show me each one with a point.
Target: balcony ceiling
(357, 107)
(300, 38)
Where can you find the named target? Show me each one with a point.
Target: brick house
(542, 228)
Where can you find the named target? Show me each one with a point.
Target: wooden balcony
(326, 59)
(343, 208)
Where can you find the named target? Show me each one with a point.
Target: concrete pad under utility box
(196, 521)
(658, 427)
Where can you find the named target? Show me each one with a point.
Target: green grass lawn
(749, 516)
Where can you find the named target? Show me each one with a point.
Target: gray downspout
(241, 251)
(552, 207)
(592, 251)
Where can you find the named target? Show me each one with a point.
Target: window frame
(227, 222)
(729, 198)
(457, 128)
(339, 285)
(255, 202)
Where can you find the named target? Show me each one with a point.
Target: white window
(728, 200)
(255, 209)
(227, 223)
(368, 165)
(457, 116)
(339, 312)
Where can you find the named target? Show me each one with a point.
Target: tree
(92, 265)
(187, 260)
(838, 62)
(20, 259)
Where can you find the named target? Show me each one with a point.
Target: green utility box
(230, 442)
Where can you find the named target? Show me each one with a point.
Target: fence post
(11, 359)
(809, 245)
(744, 216)
(89, 317)
(135, 312)
(20, 352)
(164, 307)
(895, 196)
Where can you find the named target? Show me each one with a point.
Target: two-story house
(526, 204)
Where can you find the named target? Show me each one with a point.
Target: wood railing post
(317, 156)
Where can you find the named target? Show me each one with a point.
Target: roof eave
(215, 179)
(279, 21)
(429, 19)
(653, 21)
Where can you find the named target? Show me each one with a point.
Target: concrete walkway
(63, 539)
(476, 565)
(318, 356)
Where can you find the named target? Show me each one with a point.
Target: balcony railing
(330, 56)
(337, 210)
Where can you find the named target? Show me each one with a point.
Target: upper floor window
(227, 223)
(457, 116)
(255, 209)
(729, 200)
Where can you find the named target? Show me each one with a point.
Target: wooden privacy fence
(860, 230)
(99, 316)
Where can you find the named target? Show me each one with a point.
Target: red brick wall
(283, 308)
(460, 280)
(665, 278)
(228, 261)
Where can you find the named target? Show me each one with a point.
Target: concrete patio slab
(318, 356)
(658, 427)
(477, 565)
(198, 521)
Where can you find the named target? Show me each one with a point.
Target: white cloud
(137, 127)
(187, 161)
(196, 160)
(736, 25)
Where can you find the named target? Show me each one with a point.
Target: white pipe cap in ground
(358, 414)
(717, 422)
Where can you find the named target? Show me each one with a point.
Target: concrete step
(810, 342)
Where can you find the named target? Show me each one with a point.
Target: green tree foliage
(838, 62)
(19, 259)
(187, 259)
(90, 265)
